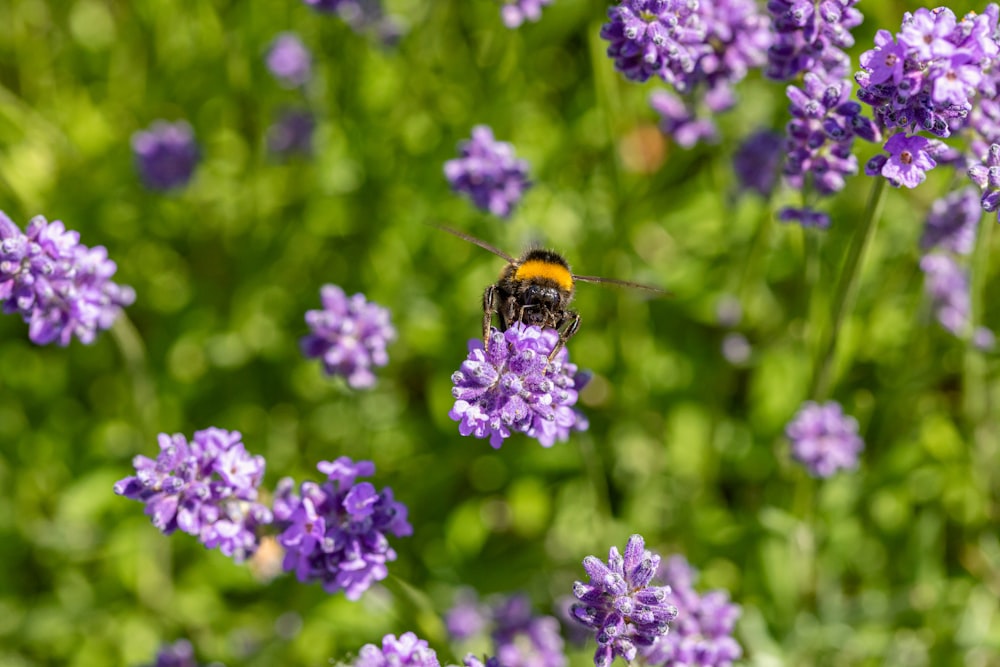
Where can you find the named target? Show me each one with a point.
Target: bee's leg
(489, 307)
(571, 320)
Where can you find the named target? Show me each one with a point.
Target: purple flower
(59, 287)
(680, 121)
(757, 160)
(178, 654)
(824, 439)
(701, 635)
(207, 488)
(811, 38)
(289, 60)
(488, 173)
(361, 15)
(165, 154)
(291, 133)
(467, 617)
(806, 217)
(514, 387)
(349, 335)
(661, 38)
(522, 639)
(736, 348)
(909, 160)
(952, 222)
(336, 532)
(407, 651)
(471, 660)
(620, 605)
(947, 284)
(516, 12)
(987, 176)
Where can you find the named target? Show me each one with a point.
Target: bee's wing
(621, 283)
(472, 239)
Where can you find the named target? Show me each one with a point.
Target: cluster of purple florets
(702, 633)
(59, 287)
(824, 439)
(811, 36)
(166, 154)
(488, 172)
(513, 386)
(516, 12)
(520, 637)
(178, 654)
(206, 488)
(626, 612)
(337, 532)
(349, 335)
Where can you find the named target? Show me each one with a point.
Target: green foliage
(896, 564)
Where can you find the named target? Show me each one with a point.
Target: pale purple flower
(467, 617)
(702, 633)
(619, 603)
(488, 172)
(947, 284)
(165, 154)
(736, 348)
(472, 660)
(406, 651)
(952, 222)
(337, 532)
(59, 287)
(515, 388)
(349, 335)
(824, 439)
(178, 654)
(516, 12)
(206, 488)
(986, 175)
(523, 639)
(680, 121)
(362, 15)
(289, 60)
(757, 161)
(291, 133)
(909, 160)
(811, 37)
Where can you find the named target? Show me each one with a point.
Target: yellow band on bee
(535, 268)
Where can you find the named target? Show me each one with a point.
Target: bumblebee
(535, 289)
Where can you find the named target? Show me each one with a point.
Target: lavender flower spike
(488, 173)
(702, 634)
(987, 176)
(165, 154)
(289, 60)
(663, 38)
(406, 651)
(178, 654)
(59, 286)
(824, 439)
(349, 336)
(336, 532)
(515, 388)
(522, 639)
(516, 12)
(206, 488)
(620, 605)
(952, 222)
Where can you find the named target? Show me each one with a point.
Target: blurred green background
(895, 564)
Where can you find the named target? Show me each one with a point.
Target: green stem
(133, 353)
(418, 608)
(757, 246)
(847, 291)
(975, 397)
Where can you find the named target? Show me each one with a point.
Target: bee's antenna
(472, 239)
(620, 283)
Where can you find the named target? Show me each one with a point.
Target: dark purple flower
(757, 160)
(811, 37)
(806, 217)
(59, 287)
(952, 222)
(522, 639)
(661, 38)
(488, 173)
(178, 654)
(947, 284)
(349, 335)
(207, 488)
(362, 15)
(336, 532)
(472, 660)
(289, 60)
(516, 12)
(824, 439)
(407, 651)
(165, 154)
(701, 635)
(514, 387)
(986, 175)
(910, 158)
(619, 604)
(291, 133)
